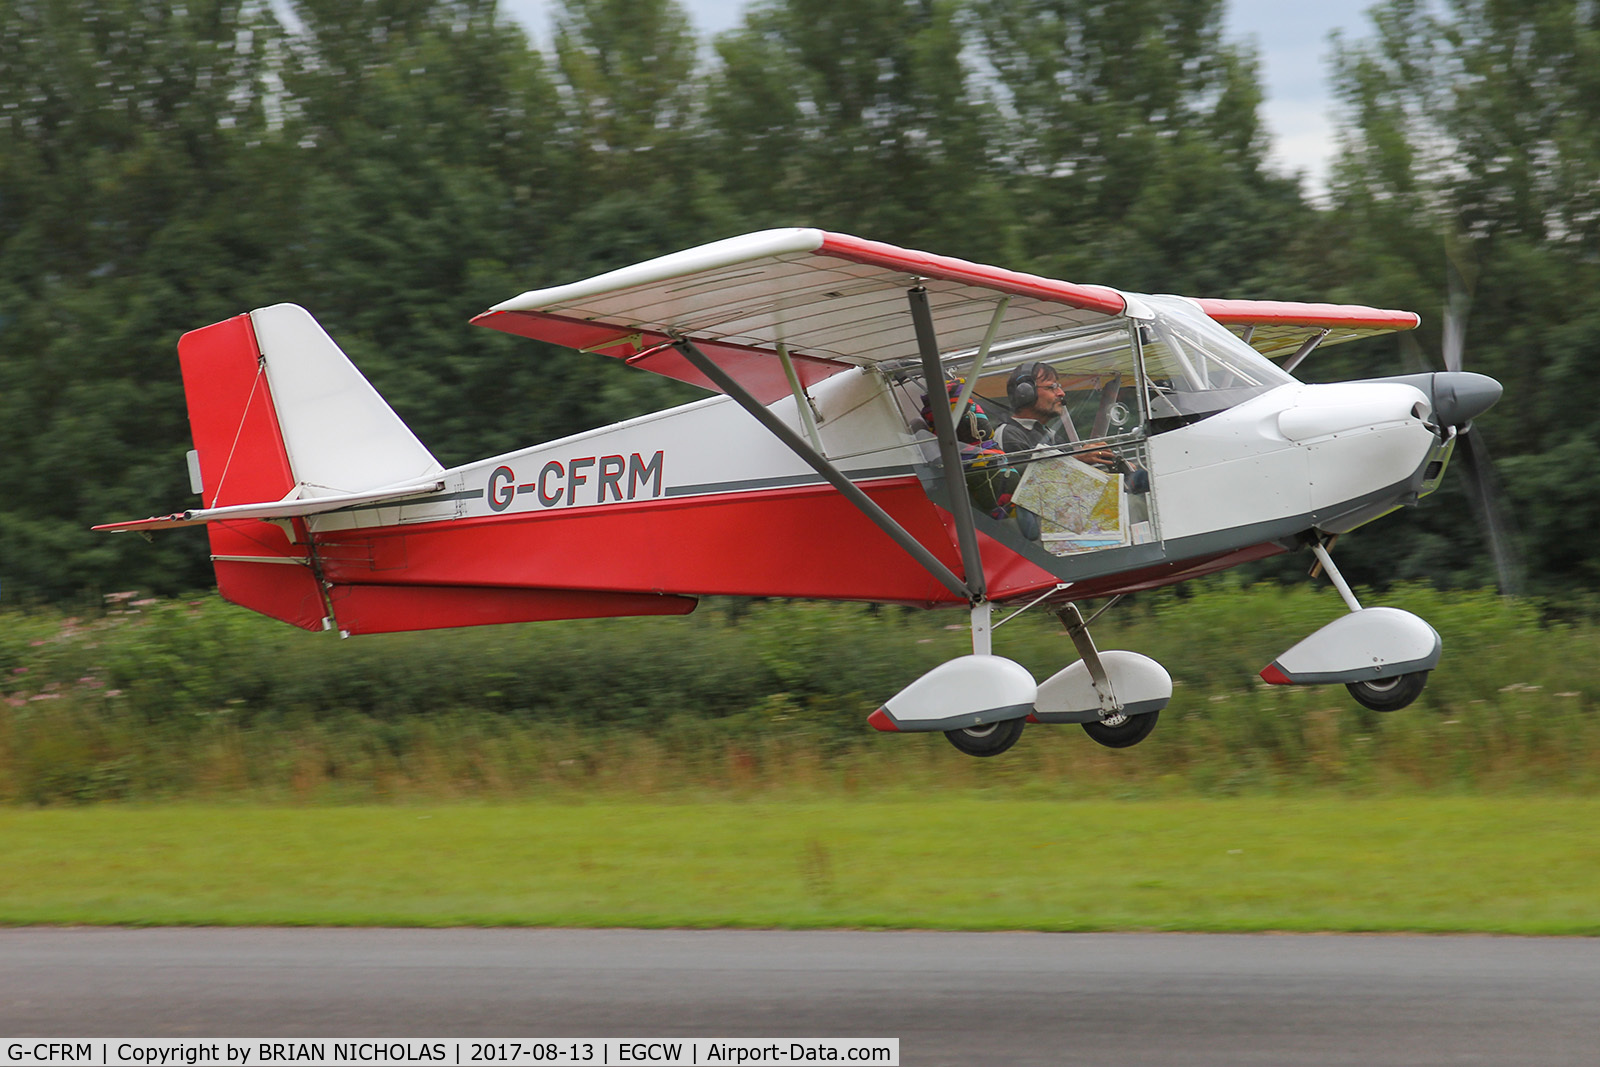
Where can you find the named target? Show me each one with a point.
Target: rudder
(243, 460)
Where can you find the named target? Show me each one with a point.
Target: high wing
(1283, 328)
(830, 301)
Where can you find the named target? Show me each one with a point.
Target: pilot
(1039, 418)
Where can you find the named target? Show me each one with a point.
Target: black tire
(990, 739)
(1124, 734)
(1389, 694)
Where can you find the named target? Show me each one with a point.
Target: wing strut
(1305, 350)
(852, 492)
(955, 482)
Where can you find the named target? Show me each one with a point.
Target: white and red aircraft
(814, 473)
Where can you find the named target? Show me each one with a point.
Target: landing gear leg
(1380, 694)
(988, 739)
(1320, 550)
(1116, 729)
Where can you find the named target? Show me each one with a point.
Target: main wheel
(1389, 694)
(1125, 734)
(990, 739)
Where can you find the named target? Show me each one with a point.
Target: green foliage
(197, 698)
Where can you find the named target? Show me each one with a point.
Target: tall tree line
(397, 165)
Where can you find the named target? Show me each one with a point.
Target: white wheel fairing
(962, 693)
(1140, 684)
(1364, 645)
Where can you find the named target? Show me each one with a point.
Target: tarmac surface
(952, 998)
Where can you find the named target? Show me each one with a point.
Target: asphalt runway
(952, 998)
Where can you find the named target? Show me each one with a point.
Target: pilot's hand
(1098, 455)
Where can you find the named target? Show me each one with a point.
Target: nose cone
(1460, 396)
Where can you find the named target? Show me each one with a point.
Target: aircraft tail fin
(279, 413)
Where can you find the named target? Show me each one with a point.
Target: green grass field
(955, 860)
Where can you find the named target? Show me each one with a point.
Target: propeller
(1483, 488)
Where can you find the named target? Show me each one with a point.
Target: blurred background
(398, 165)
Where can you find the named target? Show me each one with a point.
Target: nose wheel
(1389, 694)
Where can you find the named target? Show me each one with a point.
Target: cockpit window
(1196, 367)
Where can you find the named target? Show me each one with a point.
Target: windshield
(1197, 367)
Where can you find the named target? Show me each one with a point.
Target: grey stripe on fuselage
(784, 482)
(407, 502)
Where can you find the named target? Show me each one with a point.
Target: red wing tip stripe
(880, 720)
(948, 268)
(1272, 674)
(1293, 313)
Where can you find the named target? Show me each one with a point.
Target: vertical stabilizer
(339, 434)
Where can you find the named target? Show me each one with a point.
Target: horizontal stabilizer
(288, 508)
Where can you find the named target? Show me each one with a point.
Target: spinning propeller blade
(1484, 491)
(1482, 487)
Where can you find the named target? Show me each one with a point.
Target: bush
(198, 698)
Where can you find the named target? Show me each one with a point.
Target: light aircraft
(822, 471)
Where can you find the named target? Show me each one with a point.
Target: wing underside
(829, 302)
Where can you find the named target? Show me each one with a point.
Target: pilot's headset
(1022, 388)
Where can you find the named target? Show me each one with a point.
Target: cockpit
(1079, 479)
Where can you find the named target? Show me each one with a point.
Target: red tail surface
(242, 461)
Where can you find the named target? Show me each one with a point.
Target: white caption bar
(367, 1052)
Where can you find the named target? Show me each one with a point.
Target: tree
(860, 117)
(1137, 153)
(126, 207)
(1471, 137)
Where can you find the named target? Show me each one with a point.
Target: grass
(957, 859)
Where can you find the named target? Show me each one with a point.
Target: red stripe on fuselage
(377, 609)
(805, 541)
